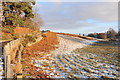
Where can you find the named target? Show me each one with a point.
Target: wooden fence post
(8, 50)
(8, 67)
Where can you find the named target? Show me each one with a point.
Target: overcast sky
(79, 17)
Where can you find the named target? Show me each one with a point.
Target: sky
(78, 17)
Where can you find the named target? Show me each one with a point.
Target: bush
(29, 38)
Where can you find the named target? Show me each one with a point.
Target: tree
(118, 35)
(38, 22)
(101, 36)
(111, 33)
(12, 12)
(91, 35)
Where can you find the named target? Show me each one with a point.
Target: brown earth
(45, 45)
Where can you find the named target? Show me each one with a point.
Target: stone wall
(12, 59)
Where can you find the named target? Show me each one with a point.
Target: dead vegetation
(37, 51)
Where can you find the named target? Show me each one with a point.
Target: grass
(74, 63)
(28, 39)
(115, 74)
(7, 29)
(8, 33)
(58, 65)
(102, 49)
(63, 61)
(66, 63)
(5, 36)
(100, 54)
(86, 69)
(73, 59)
(45, 64)
(105, 77)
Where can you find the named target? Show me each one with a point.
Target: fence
(12, 59)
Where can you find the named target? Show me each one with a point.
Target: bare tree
(38, 22)
(111, 33)
(101, 36)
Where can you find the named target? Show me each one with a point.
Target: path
(69, 43)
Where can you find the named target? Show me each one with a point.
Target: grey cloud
(101, 11)
(66, 26)
(66, 15)
(77, 0)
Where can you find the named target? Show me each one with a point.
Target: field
(99, 60)
(69, 60)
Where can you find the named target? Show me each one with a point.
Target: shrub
(30, 38)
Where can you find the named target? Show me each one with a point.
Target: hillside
(66, 56)
(11, 33)
(38, 51)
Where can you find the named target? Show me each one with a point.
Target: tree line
(111, 34)
(21, 14)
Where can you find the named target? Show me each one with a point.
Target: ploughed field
(98, 60)
(76, 58)
(79, 65)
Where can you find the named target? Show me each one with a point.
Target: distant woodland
(109, 35)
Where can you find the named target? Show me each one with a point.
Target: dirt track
(76, 39)
(69, 43)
